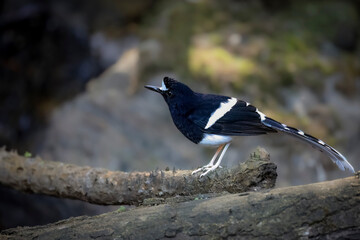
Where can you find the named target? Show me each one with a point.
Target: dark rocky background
(71, 77)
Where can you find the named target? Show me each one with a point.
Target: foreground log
(108, 187)
(323, 210)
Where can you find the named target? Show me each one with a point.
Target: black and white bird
(214, 120)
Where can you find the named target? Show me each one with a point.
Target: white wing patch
(221, 111)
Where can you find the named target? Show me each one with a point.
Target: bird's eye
(169, 93)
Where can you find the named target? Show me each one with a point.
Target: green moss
(27, 154)
(216, 64)
(121, 209)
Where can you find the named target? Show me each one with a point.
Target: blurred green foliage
(291, 37)
(256, 49)
(27, 154)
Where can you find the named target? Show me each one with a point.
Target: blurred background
(72, 76)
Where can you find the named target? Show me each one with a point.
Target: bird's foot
(206, 169)
(210, 169)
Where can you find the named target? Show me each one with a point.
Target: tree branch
(328, 210)
(101, 186)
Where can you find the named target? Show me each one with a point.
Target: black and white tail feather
(318, 144)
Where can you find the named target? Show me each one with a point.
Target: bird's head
(172, 90)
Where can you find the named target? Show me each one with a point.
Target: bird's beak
(153, 88)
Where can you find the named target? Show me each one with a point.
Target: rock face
(49, 51)
(107, 127)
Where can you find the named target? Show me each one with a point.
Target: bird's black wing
(241, 120)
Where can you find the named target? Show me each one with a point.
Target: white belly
(215, 140)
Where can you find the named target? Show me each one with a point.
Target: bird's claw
(205, 169)
(197, 170)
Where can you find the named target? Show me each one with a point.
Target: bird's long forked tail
(331, 152)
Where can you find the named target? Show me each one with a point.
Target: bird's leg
(211, 163)
(218, 161)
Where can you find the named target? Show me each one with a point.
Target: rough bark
(101, 186)
(323, 210)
